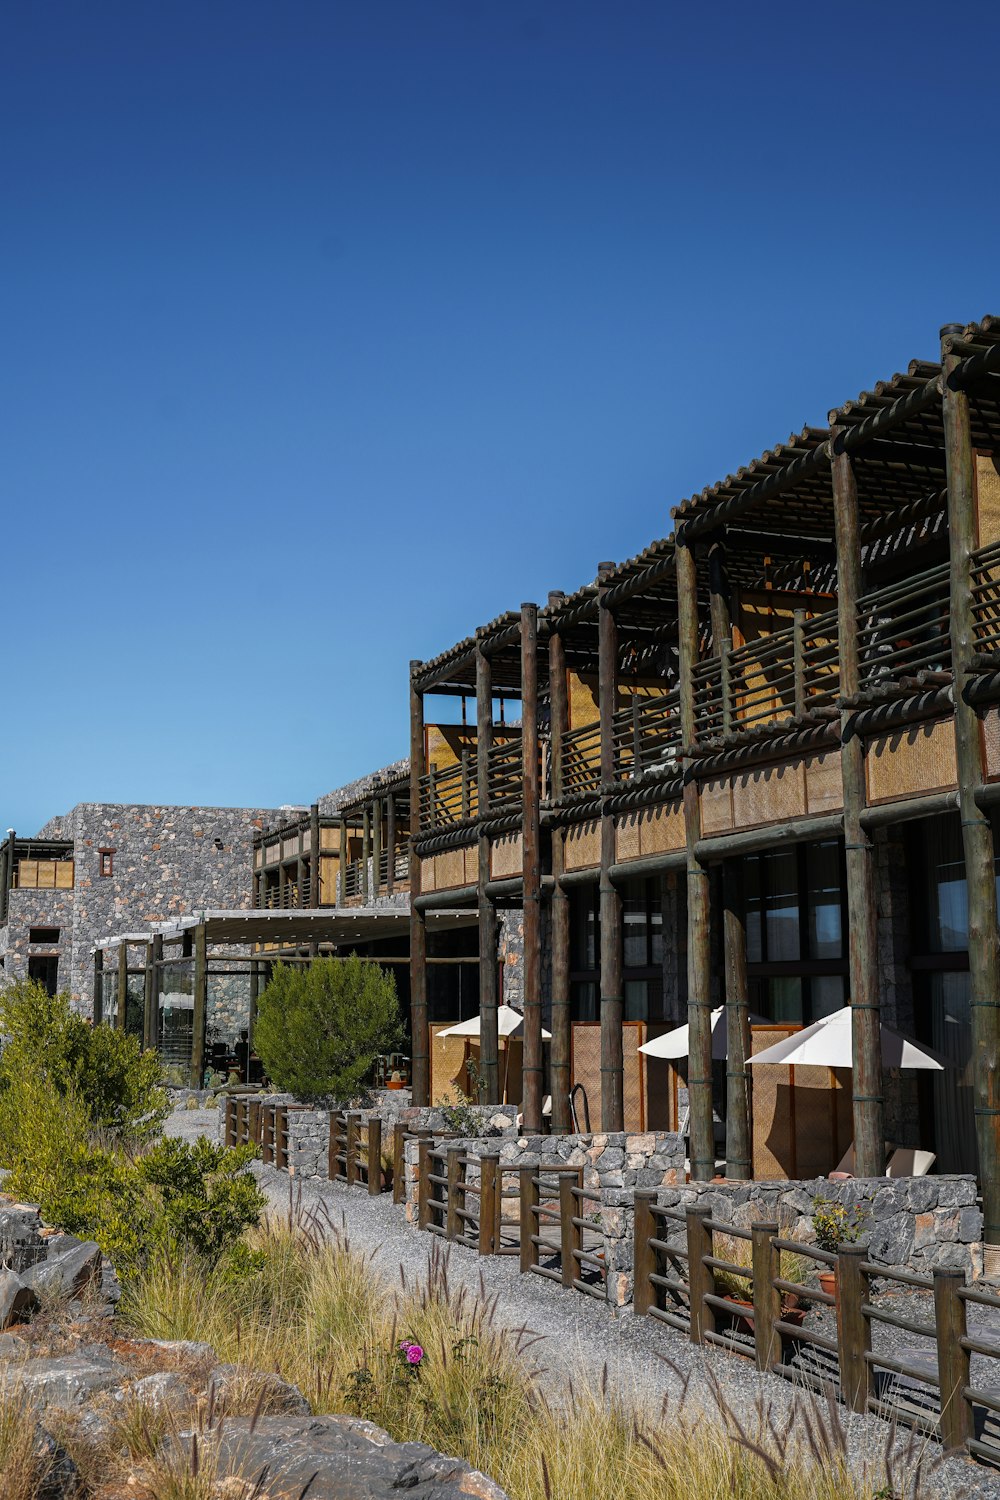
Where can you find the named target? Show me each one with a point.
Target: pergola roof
(359, 924)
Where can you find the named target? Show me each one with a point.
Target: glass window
(583, 1000)
(782, 913)
(823, 874)
(752, 903)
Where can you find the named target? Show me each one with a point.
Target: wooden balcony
(904, 640)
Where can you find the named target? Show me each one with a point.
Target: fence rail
(549, 1199)
(647, 735)
(254, 1122)
(449, 795)
(446, 1193)
(904, 640)
(927, 1385)
(984, 587)
(581, 760)
(355, 1154)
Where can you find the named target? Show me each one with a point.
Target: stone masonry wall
(28, 909)
(912, 1223)
(169, 862)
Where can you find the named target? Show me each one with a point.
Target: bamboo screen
(586, 1069)
(801, 1115)
(988, 498)
(45, 874)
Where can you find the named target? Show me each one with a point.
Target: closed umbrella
(827, 1044)
(676, 1043)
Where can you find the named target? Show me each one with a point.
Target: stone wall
(28, 909)
(912, 1223)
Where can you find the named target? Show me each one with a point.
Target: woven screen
(988, 498)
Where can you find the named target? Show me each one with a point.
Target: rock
(67, 1269)
(275, 1394)
(183, 1349)
(16, 1299)
(64, 1382)
(350, 1460)
(159, 1391)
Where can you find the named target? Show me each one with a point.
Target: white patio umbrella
(676, 1043)
(509, 1021)
(827, 1044)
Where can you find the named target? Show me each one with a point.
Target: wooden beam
(560, 1048)
(420, 1079)
(98, 993)
(862, 933)
(612, 1001)
(739, 1128)
(315, 839)
(199, 1017)
(489, 1043)
(532, 1068)
(390, 839)
(698, 893)
(366, 853)
(977, 834)
(122, 986)
(342, 863)
(154, 952)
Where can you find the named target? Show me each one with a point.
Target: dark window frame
(106, 863)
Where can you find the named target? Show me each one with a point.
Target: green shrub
(107, 1072)
(207, 1198)
(319, 1029)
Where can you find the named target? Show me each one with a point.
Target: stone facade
(911, 1223)
(168, 862)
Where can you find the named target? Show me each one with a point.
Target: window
(45, 935)
(796, 962)
(642, 951)
(44, 970)
(107, 861)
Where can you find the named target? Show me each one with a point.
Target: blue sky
(331, 330)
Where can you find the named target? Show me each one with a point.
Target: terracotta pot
(394, 1084)
(828, 1282)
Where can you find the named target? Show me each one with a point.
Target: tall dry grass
(304, 1304)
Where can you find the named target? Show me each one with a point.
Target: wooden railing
(791, 674)
(581, 760)
(293, 897)
(647, 736)
(398, 862)
(928, 1386)
(449, 795)
(904, 640)
(355, 1155)
(984, 586)
(254, 1122)
(446, 1191)
(506, 774)
(551, 1199)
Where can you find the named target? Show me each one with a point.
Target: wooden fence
(552, 1228)
(356, 1150)
(255, 1122)
(927, 1385)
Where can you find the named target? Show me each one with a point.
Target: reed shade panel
(985, 588)
(647, 735)
(904, 638)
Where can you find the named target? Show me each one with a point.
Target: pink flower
(414, 1353)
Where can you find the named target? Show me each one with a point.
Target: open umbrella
(676, 1043)
(827, 1044)
(509, 1021)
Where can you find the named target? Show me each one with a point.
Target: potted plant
(836, 1224)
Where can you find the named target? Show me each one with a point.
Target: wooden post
(199, 1016)
(342, 862)
(701, 1278)
(390, 839)
(255, 968)
(866, 1046)
(420, 1076)
(956, 1423)
(560, 1046)
(489, 1042)
(423, 1186)
(456, 1199)
(644, 1256)
(532, 1069)
(122, 985)
(612, 1001)
(766, 1263)
(147, 996)
(739, 1129)
(799, 661)
(366, 853)
(315, 884)
(282, 877)
(351, 1148)
(376, 847)
(398, 1162)
(702, 1129)
(977, 835)
(374, 1156)
(569, 1235)
(489, 1203)
(527, 1181)
(854, 1333)
(98, 998)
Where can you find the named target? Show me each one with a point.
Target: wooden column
(98, 997)
(612, 1002)
(977, 834)
(739, 1126)
(122, 985)
(366, 854)
(315, 888)
(200, 1012)
(255, 969)
(862, 933)
(390, 840)
(154, 952)
(376, 846)
(560, 1046)
(282, 877)
(342, 862)
(489, 1045)
(532, 1064)
(702, 1130)
(420, 1079)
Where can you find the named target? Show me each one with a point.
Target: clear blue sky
(330, 330)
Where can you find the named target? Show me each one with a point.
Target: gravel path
(646, 1361)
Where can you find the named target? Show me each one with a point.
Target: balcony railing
(581, 760)
(985, 589)
(647, 735)
(505, 774)
(400, 865)
(788, 675)
(904, 640)
(292, 898)
(449, 795)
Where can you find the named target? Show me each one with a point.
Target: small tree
(319, 1029)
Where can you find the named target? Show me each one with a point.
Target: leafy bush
(206, 1196)
(46, 1043)
(319, 1029)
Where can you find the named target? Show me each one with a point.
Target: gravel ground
(646, 1361)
